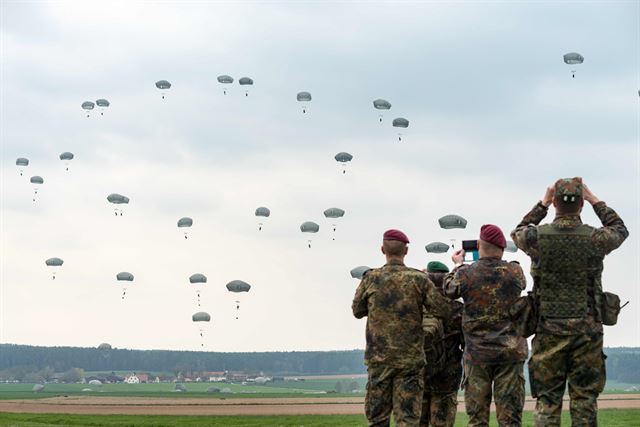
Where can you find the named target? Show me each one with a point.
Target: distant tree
(73, 375)
(353, 385)
(339, 388)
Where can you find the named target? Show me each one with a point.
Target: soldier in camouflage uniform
(566, 266)
(393, 298)
(494, 353)
(443, 370)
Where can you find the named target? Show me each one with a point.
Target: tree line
(23, 361)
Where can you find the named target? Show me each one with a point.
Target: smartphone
(470, 248)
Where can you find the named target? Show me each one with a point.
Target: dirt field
(254, 406)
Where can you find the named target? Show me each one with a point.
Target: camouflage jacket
(393, 298)
(488, 288)
(604, 240)
(453, 326)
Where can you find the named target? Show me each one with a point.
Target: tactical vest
(568, 275)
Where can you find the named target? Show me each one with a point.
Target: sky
(495, 117)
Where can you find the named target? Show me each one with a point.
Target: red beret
(492, 234)
(395, 235)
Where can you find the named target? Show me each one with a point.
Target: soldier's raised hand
(548, 196)
(588, 195)
(458, 257)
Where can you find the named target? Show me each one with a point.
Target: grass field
(276, 389)
(607, 418)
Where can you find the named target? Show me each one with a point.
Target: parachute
(185, 222)
(22, 163)
(163, 85)
(262, 212)
(511, 247)
(309, 227)
(124, 277)
(400, 123)
(55, 264)
(201, 316)
(305, 98)
(334, 213)
(36, 181)
(224, 79)
(358, 272)
(103, 104)
(343, 158)
(117, 199)
(381, 104)
(198, 278)
(452, 221)
(88, 106)
(237, 286)
(449, 222)
(67, 157)
(573, 58)
(246, 81)
(437, 247)
(37, 388)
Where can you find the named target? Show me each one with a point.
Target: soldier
(566, 266)
(494, 353)
(443, 355)
(393, 298)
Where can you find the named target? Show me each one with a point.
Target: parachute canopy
(117, 199)
(262, 211)
(309, 227)
(452, 221)
(511, 247)
(238, 286)
(303, 97)
(163, 84)
(102, 103)
(54, 262)
(572, 58)
(437, 247)
(400, 123)
(225, 79)
(343, 157)
(334, 213)
(36, 180)
(37, 388)
(21, 161)
(66, 156)
(88, 105)
(198, 278)
(126, 276)
(185, 222)
(358, 272)
(381, 104)
(201, 316)
(245, 81)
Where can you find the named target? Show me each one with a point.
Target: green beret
(437, 266)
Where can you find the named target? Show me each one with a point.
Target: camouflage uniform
(393, 299)
(566, 266)
(440, 402)
(494, 354)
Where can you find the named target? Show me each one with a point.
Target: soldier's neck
(395, 260)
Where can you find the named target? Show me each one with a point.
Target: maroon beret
(492, 234)
(395, 235)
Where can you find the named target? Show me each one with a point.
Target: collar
(394, 262)
(571, 220)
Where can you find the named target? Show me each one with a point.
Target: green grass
(607, 418)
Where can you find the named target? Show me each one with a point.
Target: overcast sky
(495, 117)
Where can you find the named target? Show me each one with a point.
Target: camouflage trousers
(394, 389)
(506, 381)
(440, 401)
(557, 359)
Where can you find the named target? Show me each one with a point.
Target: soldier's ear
(406, 249)
(382, 249)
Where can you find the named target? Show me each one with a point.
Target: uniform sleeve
(435, 303)
(452, 282)
(519, 278)
(360, 305)
(613, 231)
(525, 236)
